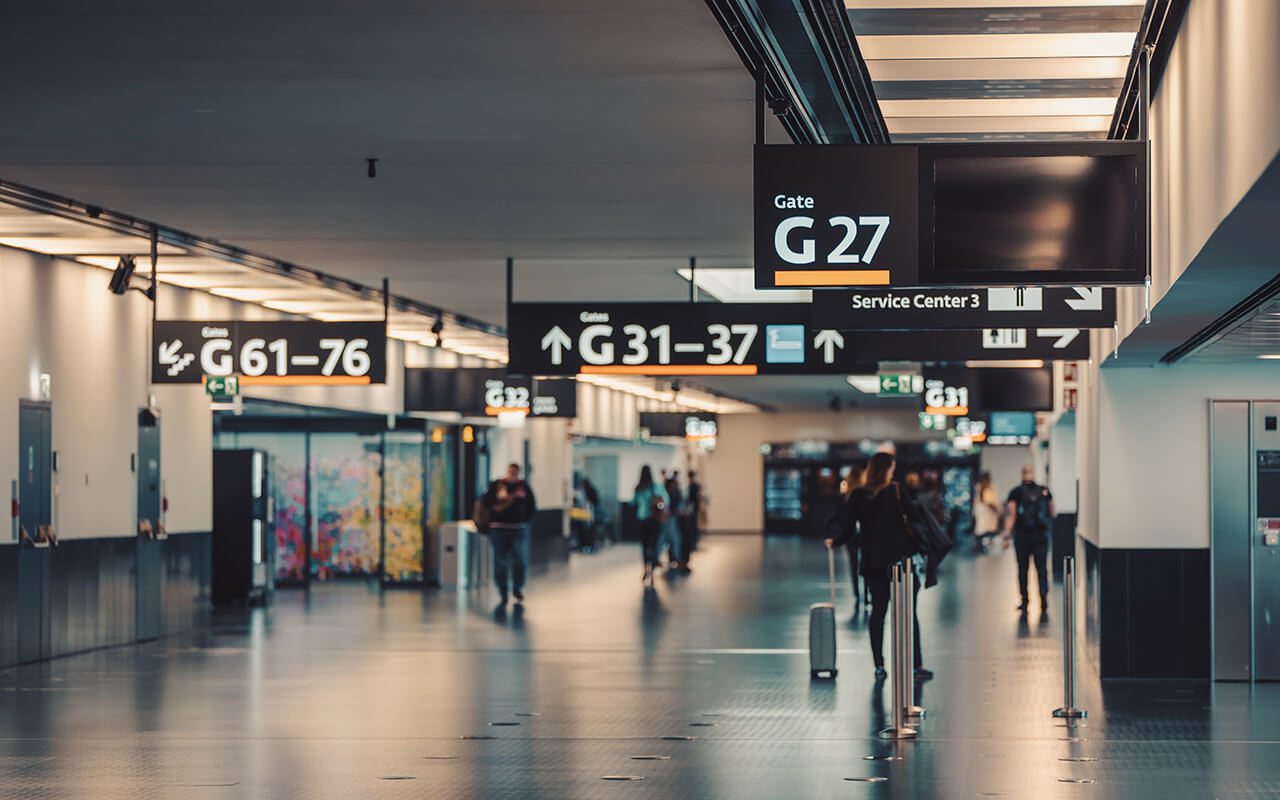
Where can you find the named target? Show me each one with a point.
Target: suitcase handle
(831, 569)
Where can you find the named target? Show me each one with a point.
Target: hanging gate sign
(269, 353)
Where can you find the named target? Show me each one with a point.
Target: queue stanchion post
(899, 729)
(1068, 709)
(910, 710)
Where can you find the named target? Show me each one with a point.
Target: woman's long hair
(878, 472)
(646, 478)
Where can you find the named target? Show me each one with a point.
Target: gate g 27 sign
(269, 353)
(835, 216)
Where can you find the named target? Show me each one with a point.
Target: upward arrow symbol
(1090, 299)
(556, 341)
(827, 341)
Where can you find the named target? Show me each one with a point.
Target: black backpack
(1033, 509)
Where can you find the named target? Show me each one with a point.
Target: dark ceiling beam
(805, 55)
(43, 202)
(1161, 20)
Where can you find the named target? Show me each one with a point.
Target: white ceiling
(599, 142)
(956, 70)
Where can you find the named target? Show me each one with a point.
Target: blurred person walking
(511, 505)
(986, 512)
(672, 539)
(652, 510)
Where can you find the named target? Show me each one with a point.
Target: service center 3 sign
(269, 353)
(835, 216)
(941, 309)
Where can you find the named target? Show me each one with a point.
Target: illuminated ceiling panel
(956, 70)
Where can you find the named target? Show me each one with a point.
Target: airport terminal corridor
(342, 692)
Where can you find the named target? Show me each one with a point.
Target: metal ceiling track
(43, 202)
(1226, 323)
(1161, 20)
(804, 55)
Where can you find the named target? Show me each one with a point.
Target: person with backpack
(653, 509)
(510, 506)
(1028, 520)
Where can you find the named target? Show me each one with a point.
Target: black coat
(879, 518)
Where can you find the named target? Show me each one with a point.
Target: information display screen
(1039, 214)
(1012, 423)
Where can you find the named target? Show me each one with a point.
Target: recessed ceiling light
(1271, 356)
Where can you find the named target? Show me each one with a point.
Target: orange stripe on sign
(958, 411)
(305, 380)
(831, 277)
(493, 411)
(670, 369)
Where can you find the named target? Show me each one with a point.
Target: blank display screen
(1036, 213)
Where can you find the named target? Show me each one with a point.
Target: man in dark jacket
(511, 506)
(1028, 518)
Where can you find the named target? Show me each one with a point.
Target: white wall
(734, 479)
(1154, 448)
(1215, 128)
(1062, 464)
(59, 318)
(634, 455)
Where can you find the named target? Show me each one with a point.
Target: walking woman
(848, 522)
(986, 512)
(653, 509)
(880, 509)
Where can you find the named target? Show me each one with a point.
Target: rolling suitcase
(822, 630)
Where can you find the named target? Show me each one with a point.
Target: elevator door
(35, 508)
(1266, 541)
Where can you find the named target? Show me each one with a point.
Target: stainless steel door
(1232, 522)
(1266, 541)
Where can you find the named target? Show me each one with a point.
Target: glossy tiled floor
(345, 694)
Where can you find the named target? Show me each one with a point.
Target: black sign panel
(835, 216)
(970, 214)
(937, 309)
(671, 339)
(692, 425)
(269, 353)
(743, 339)
(957, 390)
(487, 391)
(990, 344)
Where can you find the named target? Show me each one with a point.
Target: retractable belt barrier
(901, 632)
(1069, 710)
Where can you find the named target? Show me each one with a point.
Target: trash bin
(464, 558)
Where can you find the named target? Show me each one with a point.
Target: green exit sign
(897, 383)
(933, 422)
(224, 387)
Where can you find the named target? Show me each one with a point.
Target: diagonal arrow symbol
(1065, 336)
(1090, 299)
(827, 341)
(556, 341)
(169, 351)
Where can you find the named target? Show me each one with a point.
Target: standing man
(1028, 518)
(511, 506)
(691, 517)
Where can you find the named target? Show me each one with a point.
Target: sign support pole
(382, 461)
(1144, 118)
(511, 268)
(693, 284)
(759, 111)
